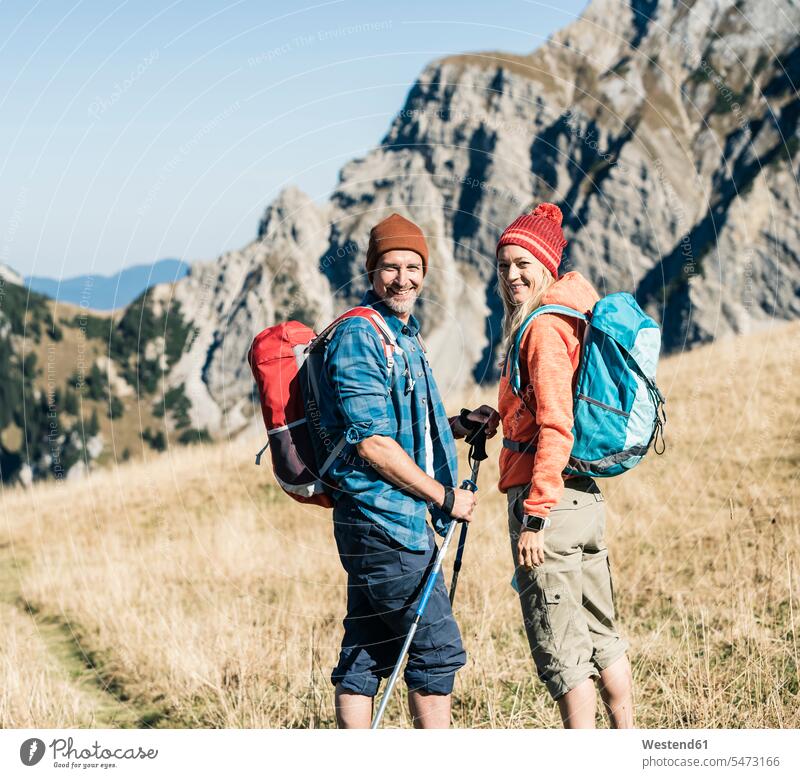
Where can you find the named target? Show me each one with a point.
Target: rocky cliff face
(667, 133)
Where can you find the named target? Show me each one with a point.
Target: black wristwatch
(535, 523)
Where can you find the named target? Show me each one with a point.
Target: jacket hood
(572, 290)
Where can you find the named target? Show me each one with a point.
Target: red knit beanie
(540, 232)
(395, 232)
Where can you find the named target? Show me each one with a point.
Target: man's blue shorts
(384, 584)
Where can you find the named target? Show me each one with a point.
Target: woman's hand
(484, 414)
(530, 548)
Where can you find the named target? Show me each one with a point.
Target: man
(400, 463)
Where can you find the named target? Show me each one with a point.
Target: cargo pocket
(394, 577)
(546, 615)
(558, 614)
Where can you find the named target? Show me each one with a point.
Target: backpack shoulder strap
(513, 356)
(563, 309)
(379, 325)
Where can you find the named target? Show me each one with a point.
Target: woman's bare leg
(616, 689)
(578, 706)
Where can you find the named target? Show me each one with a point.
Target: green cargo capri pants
(568, 601)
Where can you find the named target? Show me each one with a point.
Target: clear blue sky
(138, 130)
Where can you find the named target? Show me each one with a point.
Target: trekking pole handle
(475, 437)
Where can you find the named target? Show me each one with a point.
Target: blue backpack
(618, 409)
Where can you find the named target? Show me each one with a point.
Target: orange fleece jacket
(549, 357)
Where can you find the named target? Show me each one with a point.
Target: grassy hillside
(82, 388)
(196, 594)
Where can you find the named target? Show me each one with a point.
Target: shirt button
(405, 330)
(419, 374)
(413, 348)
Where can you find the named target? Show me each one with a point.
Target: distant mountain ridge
(105, 293)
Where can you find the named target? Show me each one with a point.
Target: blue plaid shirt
(359, 398)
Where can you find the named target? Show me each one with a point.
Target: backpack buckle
(410, 382)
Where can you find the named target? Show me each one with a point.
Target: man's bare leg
(429, 711)
(577, 706)
(616, 689)
(353, 711)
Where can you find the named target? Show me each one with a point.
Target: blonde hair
(513, 314)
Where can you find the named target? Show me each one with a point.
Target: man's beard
(401, 306)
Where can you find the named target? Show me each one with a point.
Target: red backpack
(278, 358)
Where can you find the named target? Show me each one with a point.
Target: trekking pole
(477, 453)
(430, 583)
(478, 445)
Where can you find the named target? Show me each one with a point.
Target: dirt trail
(109, 706)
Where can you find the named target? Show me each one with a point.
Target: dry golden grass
(36, 691)
(204, 597)
(58, 362)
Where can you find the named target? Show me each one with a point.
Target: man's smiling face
(398, 279)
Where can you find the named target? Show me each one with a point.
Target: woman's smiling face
(520, 273)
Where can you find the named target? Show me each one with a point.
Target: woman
(562, 570)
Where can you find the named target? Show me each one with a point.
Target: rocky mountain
(667, 132)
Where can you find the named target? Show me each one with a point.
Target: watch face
(534, 522)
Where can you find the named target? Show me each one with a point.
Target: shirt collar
(373, 301)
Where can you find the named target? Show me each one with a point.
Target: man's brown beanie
(394, 233)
